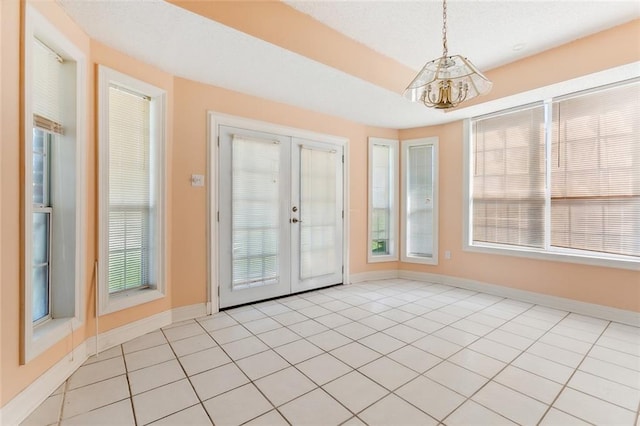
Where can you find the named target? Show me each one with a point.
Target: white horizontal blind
(509, 178)
(47, 87)
(595, 171)
(419, 201)
(255, 211)
(381, 188)
(130, 190)
(318, 207)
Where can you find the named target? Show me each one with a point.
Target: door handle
(295, 220)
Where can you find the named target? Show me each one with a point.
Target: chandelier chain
(444, 29)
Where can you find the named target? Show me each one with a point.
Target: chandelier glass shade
(447, 81)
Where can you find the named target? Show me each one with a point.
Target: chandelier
(449, 80)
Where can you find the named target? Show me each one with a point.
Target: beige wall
(186, 211)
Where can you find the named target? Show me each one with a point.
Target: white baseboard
(189, 312)
(124, 333)
(23, 404)
(373, 276)
(571, 305)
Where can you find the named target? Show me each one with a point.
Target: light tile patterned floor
(392, 352)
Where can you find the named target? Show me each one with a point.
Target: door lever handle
(295, 220)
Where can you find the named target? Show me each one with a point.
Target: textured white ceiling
(191, 46)
(485, 31)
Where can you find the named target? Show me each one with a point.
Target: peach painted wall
(192, 101)
(13, 376)
(103, 55)
(619, 288)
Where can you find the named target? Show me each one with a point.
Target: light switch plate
(197, 180)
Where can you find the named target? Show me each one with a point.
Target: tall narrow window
(53, 188)
(131, 178)
(383, 200)
(561, 177)
(48, 98)
(420, 201)
(130, 207)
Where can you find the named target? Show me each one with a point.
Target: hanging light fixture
(449, 80)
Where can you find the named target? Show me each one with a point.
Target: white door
(316, 237)
(277, 234)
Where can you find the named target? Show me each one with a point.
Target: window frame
(393, 145)
(549, 252)
(38, 336)
(112, 302)
(405, 145)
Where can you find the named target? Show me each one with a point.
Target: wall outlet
(447, 254)
(197, 180)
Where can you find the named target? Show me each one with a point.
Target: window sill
(127, 299)
(420, 260)
(558, 256)
(382, 258)
(47, 334)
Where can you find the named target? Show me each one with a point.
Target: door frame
(216, 119)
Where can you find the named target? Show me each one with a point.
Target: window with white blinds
(132, 118)
(560, 177)
(595, 171)
(47, 104)
(318, 207)
(130, 182)
(509, 178)
(383, 199)
(255, 211)
(420, 206)
(48, 95)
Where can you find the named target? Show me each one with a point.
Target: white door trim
(216, 119)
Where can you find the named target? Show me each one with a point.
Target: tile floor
(391, 352)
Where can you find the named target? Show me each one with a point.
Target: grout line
(573, 373)
(453, 299)
(126, 371)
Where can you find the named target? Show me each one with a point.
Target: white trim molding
(394, 200)
(184, 313)
(68, 286)
(158, 128)
(215, 120)
(373, 276)
(405, 146)
(23, 404)
(562, 303)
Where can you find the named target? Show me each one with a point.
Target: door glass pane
(255, 211)
(40, 265)
(420, 201)
(318, 206)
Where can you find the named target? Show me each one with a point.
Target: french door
(281, 215)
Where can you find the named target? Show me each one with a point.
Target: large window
(383, 200)
(131, 173)
(561, 177)
(420, 201)
(53, 185)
